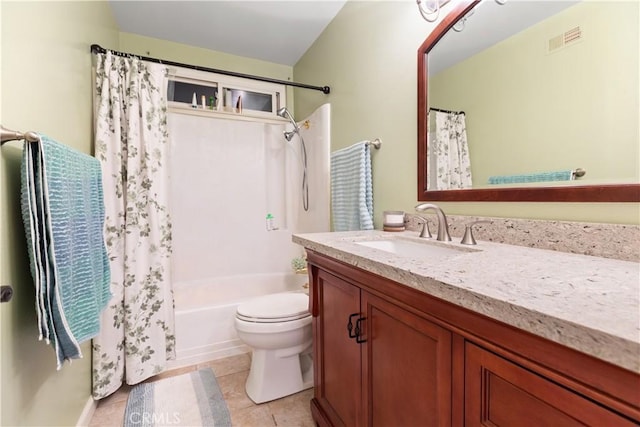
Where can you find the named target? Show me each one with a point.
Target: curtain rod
(99, 49)
(446, 111)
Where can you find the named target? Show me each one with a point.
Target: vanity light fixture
(430, 10)
(459, 26)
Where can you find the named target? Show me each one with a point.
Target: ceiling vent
(565, 39)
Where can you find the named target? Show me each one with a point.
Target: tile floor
(231, 374)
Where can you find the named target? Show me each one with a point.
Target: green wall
(530, 111)
(54, 97)
(45, 86)
(178, 52)
(368, 55)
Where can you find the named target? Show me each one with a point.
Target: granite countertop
(587, 303)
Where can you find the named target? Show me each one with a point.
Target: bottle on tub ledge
(271, 223)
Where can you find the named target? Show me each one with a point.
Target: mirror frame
(582, 193)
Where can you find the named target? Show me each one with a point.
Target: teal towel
(63, 213)
(564, 175)
(351, 188)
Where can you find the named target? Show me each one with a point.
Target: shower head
(284, 113)
(289, 135)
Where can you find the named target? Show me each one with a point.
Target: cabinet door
(407, 367)
(336, 357)
(501, 393)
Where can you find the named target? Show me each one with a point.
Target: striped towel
(564, 175)
(63, 215)
(351, 188)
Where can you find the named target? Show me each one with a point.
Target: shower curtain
(448, 152)
(131, 141)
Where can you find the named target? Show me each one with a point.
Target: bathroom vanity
(410, 332)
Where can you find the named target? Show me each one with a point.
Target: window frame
(277, 92)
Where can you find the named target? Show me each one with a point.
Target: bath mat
(191, 399)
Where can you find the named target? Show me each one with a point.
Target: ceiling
(282, 31)
(274, 31)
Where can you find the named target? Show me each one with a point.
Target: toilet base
(275, 374)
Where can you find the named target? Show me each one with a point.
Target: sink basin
(414, 249)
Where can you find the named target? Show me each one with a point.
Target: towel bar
(376, 143)
(560, 175)
(577, 173)
(7, 135)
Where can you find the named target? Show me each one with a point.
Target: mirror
(565, 145)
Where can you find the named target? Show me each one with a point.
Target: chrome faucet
(443, 226)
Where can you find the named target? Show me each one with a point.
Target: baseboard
(193, 356)
(87, 413)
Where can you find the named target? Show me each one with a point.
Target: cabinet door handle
(358, 330)
(354, 332)
(350, 326)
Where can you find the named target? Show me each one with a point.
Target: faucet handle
(468, 239)
(425, 232)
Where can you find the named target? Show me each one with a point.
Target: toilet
(277, 327)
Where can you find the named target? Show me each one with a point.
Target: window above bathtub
(202, 92)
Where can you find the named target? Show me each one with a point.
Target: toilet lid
(275, 307)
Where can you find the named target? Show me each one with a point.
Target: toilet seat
(275, 308)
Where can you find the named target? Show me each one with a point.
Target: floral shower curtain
(448, 152)
(132, 144)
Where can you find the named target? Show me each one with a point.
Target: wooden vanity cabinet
(501, 393)
(406, 365)
(377, 363)
(337, 372)
(388, 355)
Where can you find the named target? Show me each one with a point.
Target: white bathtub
(205, 311)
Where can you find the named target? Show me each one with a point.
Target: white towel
(351, 188)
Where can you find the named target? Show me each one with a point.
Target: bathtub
(204, 313)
